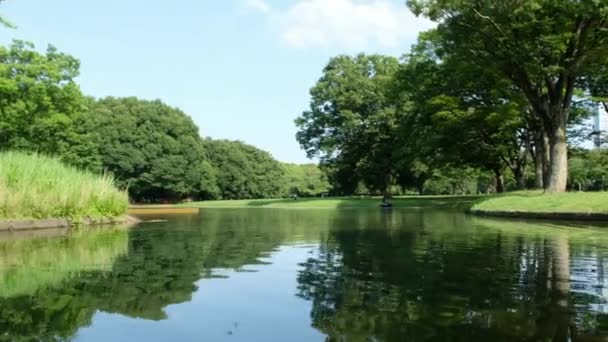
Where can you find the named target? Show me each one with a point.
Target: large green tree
(542, 46)
(39, 100)
(472, 118)
(352, 120)
(151, 148)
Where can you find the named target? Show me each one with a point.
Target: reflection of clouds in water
(589, 277)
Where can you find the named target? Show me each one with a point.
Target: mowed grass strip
(35, 186)
(540, 202)
(463, 202)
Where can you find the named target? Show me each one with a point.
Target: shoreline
(49, 223)
(536, 215)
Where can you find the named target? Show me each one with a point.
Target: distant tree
(153, 149)
(542, 46)
(588, 169)
(305, 180)
(244, 171)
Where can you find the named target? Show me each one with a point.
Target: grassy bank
(539, 202)
(583, 203)
(37, 187)
(463, 202)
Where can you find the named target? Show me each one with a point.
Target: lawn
(522, 201)
(462, 202)
(539, 202)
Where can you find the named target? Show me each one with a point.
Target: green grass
(523, 201)
(35, 187)
(539, 202)
(343, 202)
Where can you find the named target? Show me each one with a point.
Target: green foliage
(546, 48)
(245, 171)
(305, 180)
(450, 180)
(588, 170)
(422, 122)
(35, 186)
(352, 120)
(40, 100)
(476, 116)
(151, 148)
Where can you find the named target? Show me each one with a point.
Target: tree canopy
(352, 117)
(306, 180)
(492, 88)
(542, 46)
(153, 149)
(246, 172)
(39, 100)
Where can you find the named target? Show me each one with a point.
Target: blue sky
(241, 68)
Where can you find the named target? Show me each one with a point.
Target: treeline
(492, 92)
(152, 149)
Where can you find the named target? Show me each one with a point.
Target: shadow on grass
(456, 202)
(286, 202)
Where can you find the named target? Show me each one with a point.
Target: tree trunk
(541, 159)
(558, 166)
(500, 181)
(520, 179)
(546, 160)
(556, 321)
(520, 176)
(420, 186)
(538, 171)
(561, 286)
(387, 194)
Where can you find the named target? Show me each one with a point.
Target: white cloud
(352, 24)
(258, 5)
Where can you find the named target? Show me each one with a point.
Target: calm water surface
(309, 275)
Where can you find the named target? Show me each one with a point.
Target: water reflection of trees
(374, 275)
(31, 271)
(159, 265)
(436, 276)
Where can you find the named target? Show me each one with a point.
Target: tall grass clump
(34, 186)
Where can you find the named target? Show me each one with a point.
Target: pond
(309, 275)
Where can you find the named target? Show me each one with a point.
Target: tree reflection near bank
(136, 273)
(435, 276)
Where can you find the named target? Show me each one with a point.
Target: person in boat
(386, 203)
